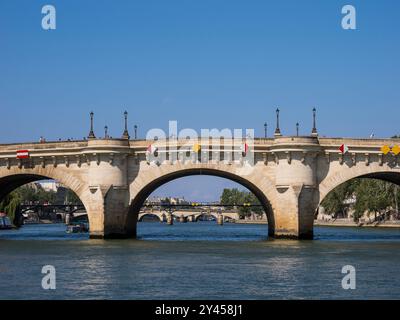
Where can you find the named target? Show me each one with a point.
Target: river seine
(200, 261)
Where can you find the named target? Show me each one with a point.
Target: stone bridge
(113, 177)
(162, 215)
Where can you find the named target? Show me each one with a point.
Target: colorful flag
(151, 149)
(196, 147)
(396, 149)
(385, 149)
(244, 148)
(22, 154)
(344, 148)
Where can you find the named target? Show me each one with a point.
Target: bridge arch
(11, 179)
(215, 215)
(205, 214)
(161, 216)
(373, 171)
(261, 186)
(384, 171)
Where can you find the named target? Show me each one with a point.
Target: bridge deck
(140, 146)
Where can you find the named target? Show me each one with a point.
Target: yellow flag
(396, 149)
(196, 147)
(385, 149)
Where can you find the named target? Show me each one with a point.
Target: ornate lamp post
(91, 132)
(297, 129)
(105, 132)
(125, 135)
(277, 130)
(314, 129)
(265, 130)
(135, 127)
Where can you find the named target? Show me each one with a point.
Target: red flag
(151, 149)
(22, 154)
(343, 148)
(244, 148)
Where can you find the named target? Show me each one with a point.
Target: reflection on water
(199, 261)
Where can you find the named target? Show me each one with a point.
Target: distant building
(178, 201)
(166, 201)
(49, 185)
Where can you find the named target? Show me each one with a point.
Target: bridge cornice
(259, 145)
(361, 142)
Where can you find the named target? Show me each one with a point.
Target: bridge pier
(108, 213)
(170, 219)
(294, 214)
(108, 200)
(297, 194)
(67, 218)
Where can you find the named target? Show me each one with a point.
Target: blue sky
(207, 64)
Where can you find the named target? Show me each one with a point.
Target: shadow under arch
(13, 181)
(143, 194)
(145, 215)
(204, 215)
(393, 177)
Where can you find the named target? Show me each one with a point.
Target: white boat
(77, 228)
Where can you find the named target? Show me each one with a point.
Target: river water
(200, 261)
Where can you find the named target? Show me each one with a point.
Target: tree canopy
(28, 194)
(236, 197)
(368, 195)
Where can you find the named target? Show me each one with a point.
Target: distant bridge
(43, 211)
(51, 207)
(189, 215)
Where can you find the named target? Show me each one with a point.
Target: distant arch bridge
(193, 215)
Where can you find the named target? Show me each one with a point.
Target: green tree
(371, 195)
(234, 197)
(375, 196)
(10, 204)
(29, 193)
(71, 198)
(334, 202)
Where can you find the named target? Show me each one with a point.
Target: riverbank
(251, 221)
(337, 223)
(347, 223)
(42, 221)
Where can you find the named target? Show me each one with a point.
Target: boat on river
(81, 227)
